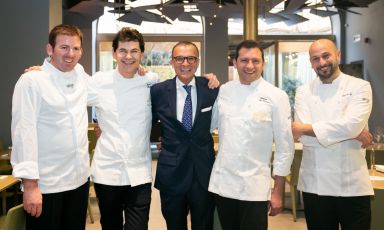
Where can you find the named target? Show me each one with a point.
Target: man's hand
(97, 130)
(299, 129)
(276, 202)
(296, 130)
(212, 80)
(142, 71)
(158, 144)
(32, 198)
(31, 68)
(365, 137)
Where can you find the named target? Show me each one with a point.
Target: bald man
(331, 116)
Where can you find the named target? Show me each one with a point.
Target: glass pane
(157, 56)
(294, 67)
(315, 24)
(108, 23)
(269, 66)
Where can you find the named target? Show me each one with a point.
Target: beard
(326, 71)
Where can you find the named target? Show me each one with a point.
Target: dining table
(377, 201)
(6, 181)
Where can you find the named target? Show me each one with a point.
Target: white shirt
(49, 128)
(123, 107)
(333, 162)
(182, 95)
(250, 118)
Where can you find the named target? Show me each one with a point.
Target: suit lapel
(172, 97)
(199, 96)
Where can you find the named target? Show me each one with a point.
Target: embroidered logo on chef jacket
(346, 94)
(264, 99)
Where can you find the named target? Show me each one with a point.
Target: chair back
(15, 219)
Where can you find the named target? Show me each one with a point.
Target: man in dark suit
(183, 105)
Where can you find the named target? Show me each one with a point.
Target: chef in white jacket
(251, 114)
(49, 136)
(331, 116)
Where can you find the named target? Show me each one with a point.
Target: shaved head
(326, 43)
(325, 59)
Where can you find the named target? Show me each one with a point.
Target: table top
(7, 181)
(377, 179)
(5, 154)
(376, 147)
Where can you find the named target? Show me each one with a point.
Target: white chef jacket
(123, 106)
(49, 128)
(333, 162)
(250, 118)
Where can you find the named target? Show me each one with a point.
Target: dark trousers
(197, 200)
(134, 202)
(63, 210)
(242, 215)
(327, 212)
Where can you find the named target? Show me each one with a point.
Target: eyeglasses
(133, 53)
(181, 59)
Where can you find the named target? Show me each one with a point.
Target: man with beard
(331, 116)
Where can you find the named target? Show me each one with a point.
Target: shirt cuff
(26, 170)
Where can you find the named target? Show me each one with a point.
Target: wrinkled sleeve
(153, 78)
(26, 104)
(303, 114)
(353, 120)
(215, 117)
(284, 145)
(92, 90)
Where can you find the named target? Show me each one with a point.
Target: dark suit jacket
(183, 155)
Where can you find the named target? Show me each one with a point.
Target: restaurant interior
(285, 28)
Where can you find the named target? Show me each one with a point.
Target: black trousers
(242, 215)
(134, 202)
(197, 200)
(328, 212)
(63, 210)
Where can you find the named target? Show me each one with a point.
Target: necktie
(187, 112)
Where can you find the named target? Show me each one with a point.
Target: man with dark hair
(331, 118)
(49, 136)
(251, 115)
(121, 166)
(184, 107)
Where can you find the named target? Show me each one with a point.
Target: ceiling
(166, 11)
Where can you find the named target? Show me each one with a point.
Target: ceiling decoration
(167, 11)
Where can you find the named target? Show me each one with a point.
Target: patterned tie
(187, 112)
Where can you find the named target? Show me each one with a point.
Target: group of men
(50, 155)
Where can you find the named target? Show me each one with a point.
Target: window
(157, 56)
(295, 67)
